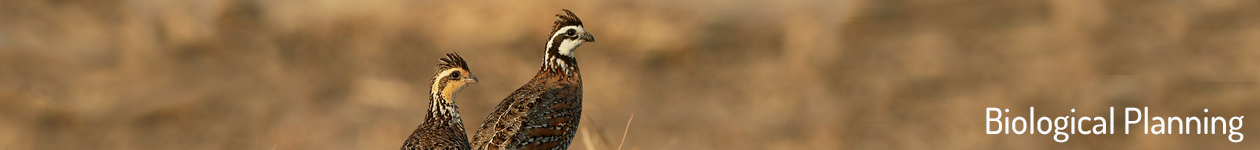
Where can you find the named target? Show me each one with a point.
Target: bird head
(567, 34)
(452, 75)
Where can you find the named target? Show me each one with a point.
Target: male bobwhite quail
(544, 113)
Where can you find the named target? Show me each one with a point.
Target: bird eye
(569, 33)
(455, 75)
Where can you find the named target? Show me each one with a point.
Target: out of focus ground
(795, 74)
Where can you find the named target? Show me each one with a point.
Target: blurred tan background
(709, 74)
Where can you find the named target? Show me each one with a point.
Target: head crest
(452, 60)
(566, 19)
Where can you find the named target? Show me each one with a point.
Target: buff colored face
(455, 80)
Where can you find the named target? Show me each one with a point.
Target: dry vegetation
(709, 74)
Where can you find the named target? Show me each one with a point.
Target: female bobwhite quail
(442, 127)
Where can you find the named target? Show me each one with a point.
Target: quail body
(442, 128)
(543, 113)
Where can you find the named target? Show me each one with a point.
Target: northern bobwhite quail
(544, 113)
(442, 127)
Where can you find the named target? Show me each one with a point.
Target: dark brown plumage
(544, 113)
(442, 127)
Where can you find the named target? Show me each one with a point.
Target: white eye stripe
(563, 30)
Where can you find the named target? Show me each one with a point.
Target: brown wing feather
(497, 130)
(552, 122)
(428, 139)
(543, 114)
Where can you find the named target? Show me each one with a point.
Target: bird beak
(588, 37)
(472, 80)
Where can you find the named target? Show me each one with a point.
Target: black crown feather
(566, 19)
(452, 60)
